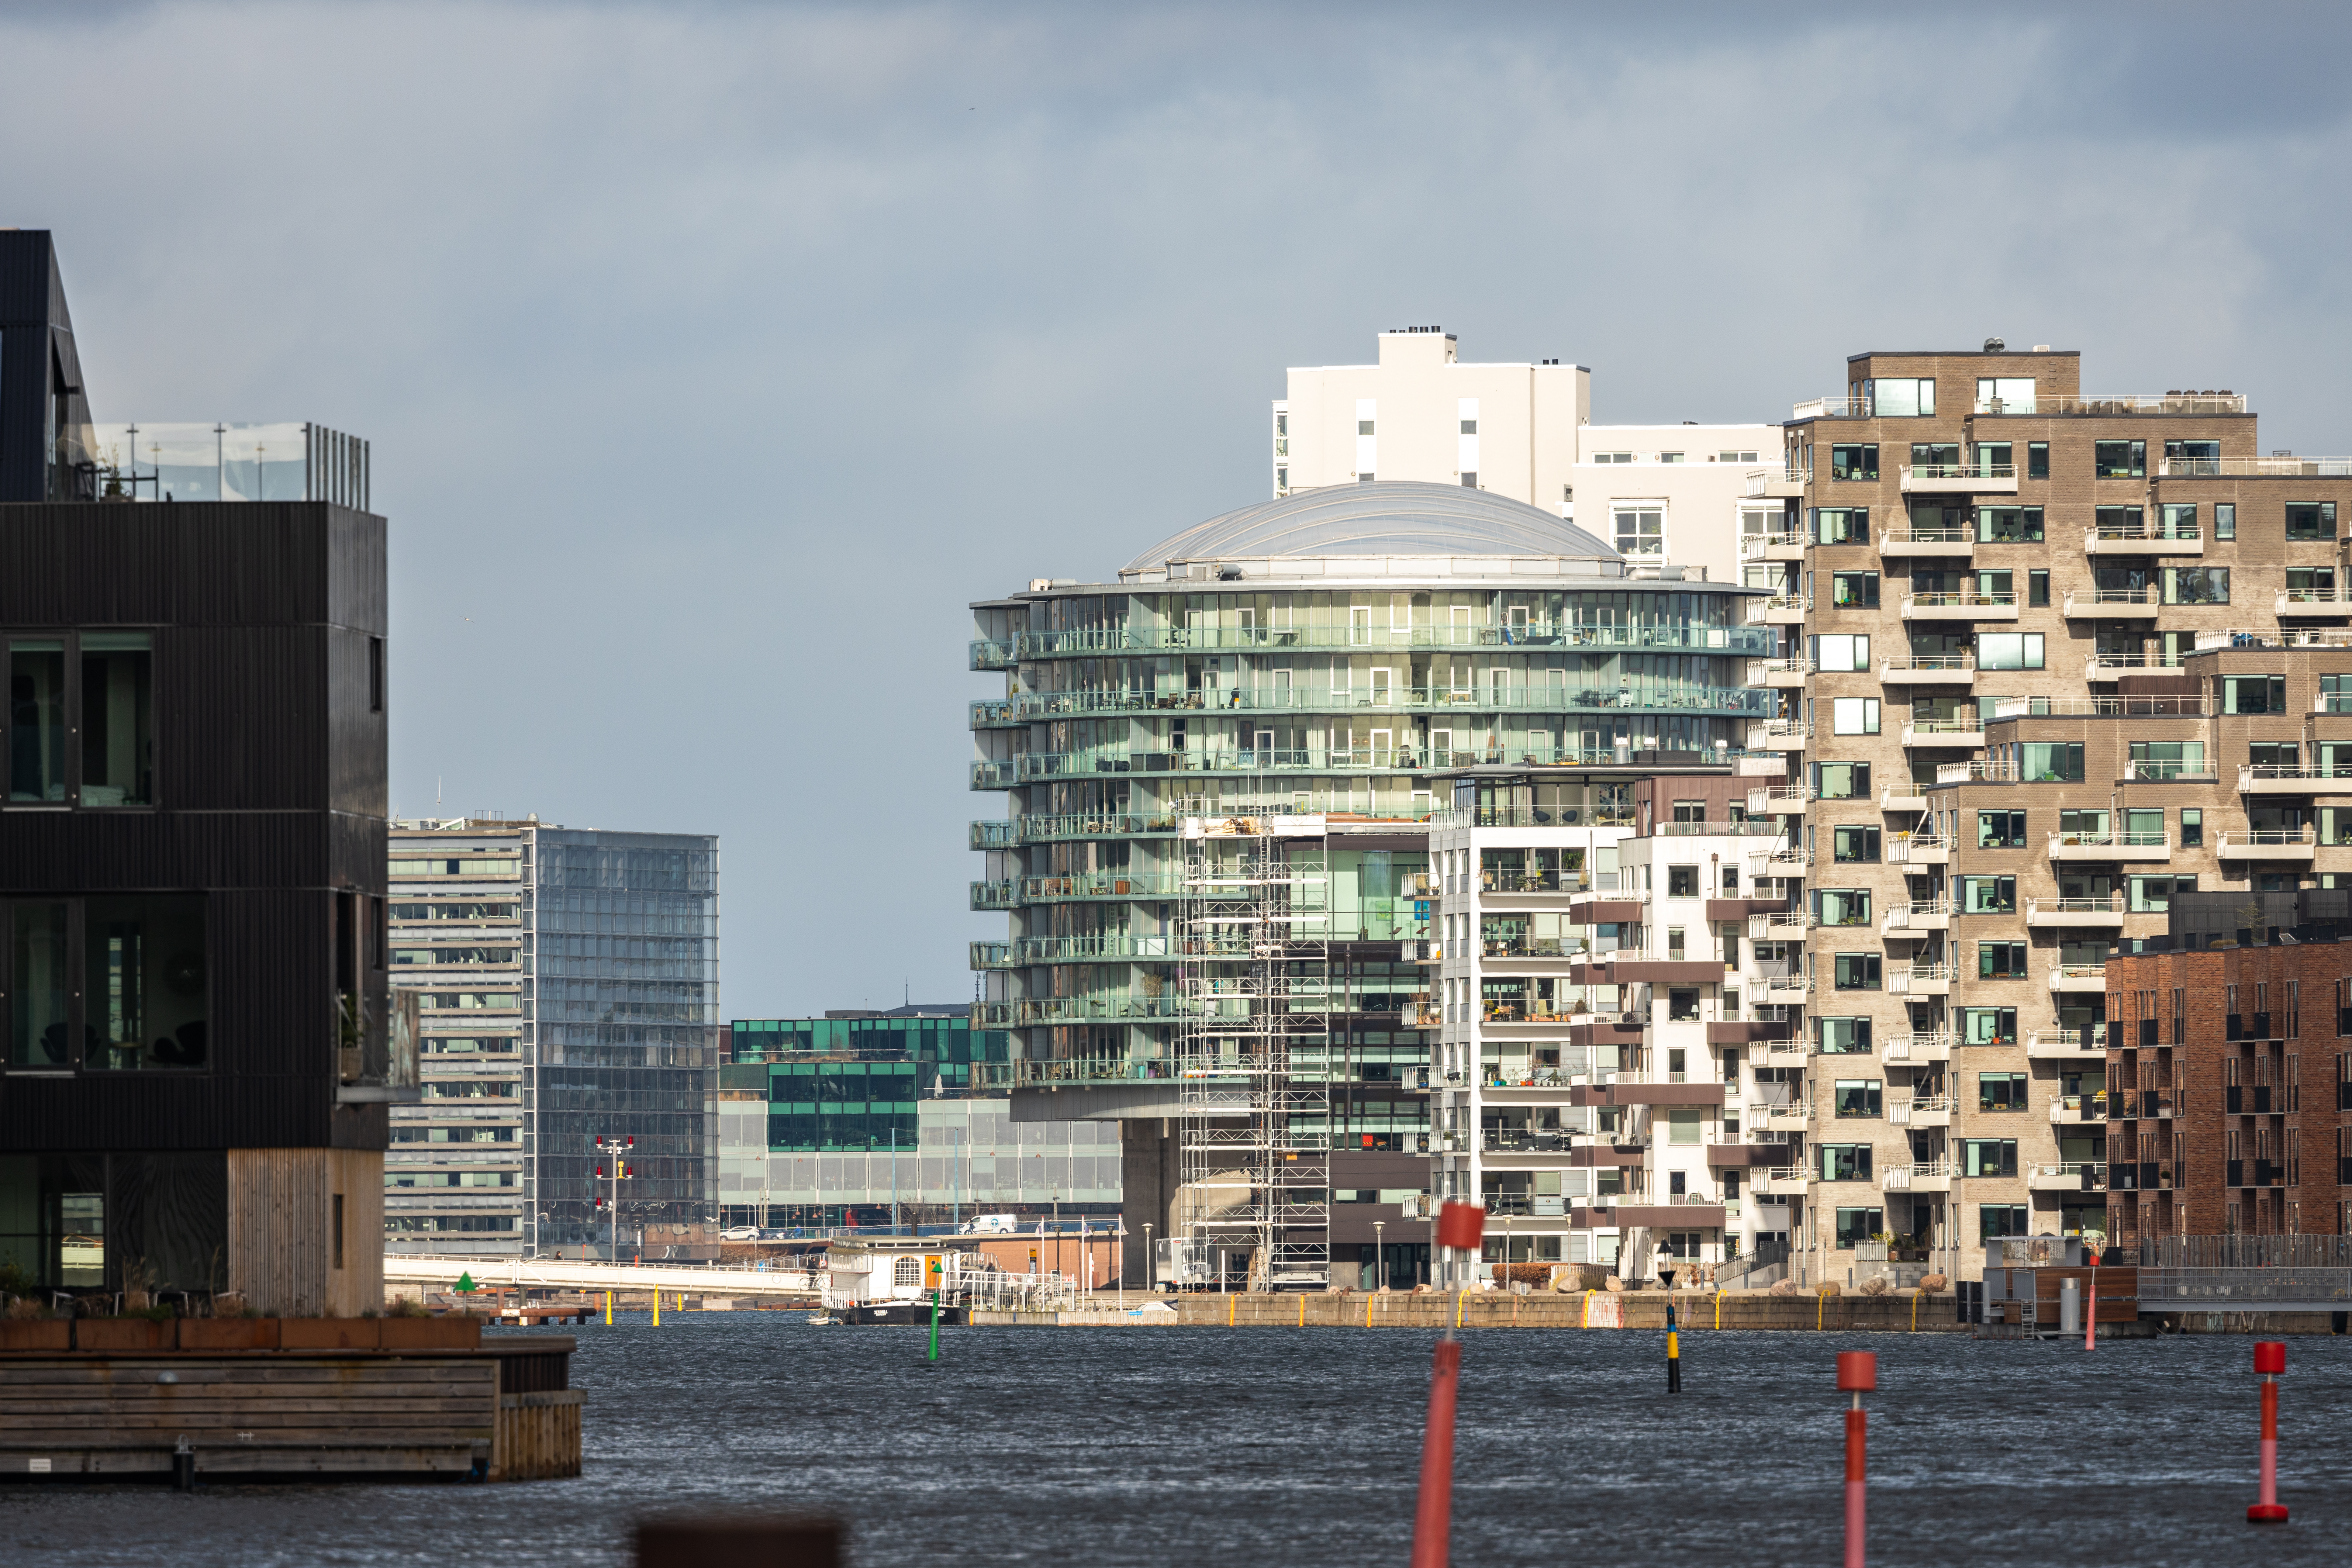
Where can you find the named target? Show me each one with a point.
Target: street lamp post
(1379, 1257)
(1147, 1258)
(619, 1149)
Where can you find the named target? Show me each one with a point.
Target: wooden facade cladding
(283, 1254)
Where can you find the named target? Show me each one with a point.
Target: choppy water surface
(1300, 1447)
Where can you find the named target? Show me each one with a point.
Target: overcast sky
(716, 356)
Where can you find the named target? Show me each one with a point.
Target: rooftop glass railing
(1034, 706)
(1034, 766)
(1032, 1012)
(220, 462)
(2284, 466)
(1094, 641)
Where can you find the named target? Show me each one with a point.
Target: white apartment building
(1665, 494)
(1605, 1082)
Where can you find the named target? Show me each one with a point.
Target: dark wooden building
(195, 1038)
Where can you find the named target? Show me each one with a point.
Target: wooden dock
(263, 1396)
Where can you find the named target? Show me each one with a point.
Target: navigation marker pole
(1459, 1226)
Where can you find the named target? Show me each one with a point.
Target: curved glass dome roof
(1380, 517)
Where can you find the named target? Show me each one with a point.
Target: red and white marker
(1459, 1226)
(1857, 1375)
(2269, 1360)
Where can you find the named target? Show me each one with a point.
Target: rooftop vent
(2041, 348)
(1994, 346)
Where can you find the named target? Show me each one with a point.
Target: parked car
(991, 1225)
(740, 1232)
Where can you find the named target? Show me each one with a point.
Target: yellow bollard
(1914, 1313)
(1458, 1301)
(1302, 1308)
(1821, 1304)
(1369, 1299)
(657, 1308)
(1230, 1299)
(1719, 1309)
(608, 1309)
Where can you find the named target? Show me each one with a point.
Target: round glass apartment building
(1332, 651)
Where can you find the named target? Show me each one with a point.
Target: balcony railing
(1839, 407)
(1032, 706)
(1780, 604)
(1965, 599)
(2106, 841)
(1979, 771)
(2113, 904)
(1916, 1176)
(2286, 467)
(2265, 838)
(2166, 707)
(1953, 664)
(1917, 1047)
(2118, 404)
(2250, 773)
(1753, 545)
(1096, 641)
(2004, 472)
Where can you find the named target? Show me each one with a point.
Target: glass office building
(570, 982)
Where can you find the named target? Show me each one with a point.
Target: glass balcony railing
(220, 462)
(1032, 767)
(1031, 707)
(1010, 892)
(1695, 636)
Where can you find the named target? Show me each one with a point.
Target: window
(1988, 895)
(2051, 762)
(2194, 457)
(1843, 1037)
(138, 1002)
(1859, 462)
(2287, 754)
(1735, 456)
(2253, 694)
(2310, 585)
(1670, 456)
(1842, 653)
(2119, 521)
(2037, 459)
(375, 675)
(1613, 457)
(1682, 1008)
(2177, 520)
(2192, 827)
(2005, 394)
(2000, 1090)
(2196, 585)
(1854, 845)
(1363, 427)
(2000, 830)
(2001, 960)
(1854, 590)
(1935, 454)
(1841, 906)
(1989, 1156)
(1845, 1162)
(2225, 519)
(2009, 525)
(1859, 1097)
(1998, 1222)
(2166, 759)
(1904, 399)
(1842, 781)
(1469, 427)
(2010, 651)
(2310, 519)
(2037, 587)
(1988, 1025)
(1681, 881)
(1856, 972)
(2153, 895)
(1690, 811)
(1841, 524)
(1640, 531)
(2120, 459)
(114, 763)
(1854, 716)
(1857, 1224)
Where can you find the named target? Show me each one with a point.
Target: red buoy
(2269, 1360)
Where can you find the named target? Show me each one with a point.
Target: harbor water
(1112, 1445)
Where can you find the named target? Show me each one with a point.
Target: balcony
(2273, 778)
(1916, 919)
(1977, 770)
(2075, 1177)
(1918, 849)
(2078, 1110)
(2078, 977)
(1779, 610)
(1607, 908)
(1935, 543)
(2111, 603)
(2065, 1046)
(1917, 1048)
(1779, 1181)
(1777, 863)
(993, 713)
(1777, 484)
(1003, 773)
(1786, 925)
(2119, 404)
(1781, 674)
(1922, 1176)
(1785, 800)
(1920, 1110)
(2289, 466)
(1933, 670)
(1780, 735)
(2100, 914)
(1785, 987)
(2109, 846)
(1789, 546)
(1965, 605)
(2268, 844)
(991, 956)
(1960, 479)
(997, 655)
(1966, 732)
(2121, 539)
(1919, 979)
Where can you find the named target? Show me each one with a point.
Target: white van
(991, 1225)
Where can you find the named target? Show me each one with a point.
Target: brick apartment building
(2038, 683)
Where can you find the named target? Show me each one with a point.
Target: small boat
(819, 1320)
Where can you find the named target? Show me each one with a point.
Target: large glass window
(2001, 960)
(2037, 459)
(1842, 525)
(2253, 694)
(1988, 1025)
(1856, 972)
(1998, 1222)
(2005, 394)
(1641, 530)
(2010, 651)
(1989, 1156)
(2051, 762)
(1854, 590)
(1841, 906)
(2177, 520)
(118, 745)
(1859, 1224)
(1905, 398)
(1988, 895)
(1844, 1036)
(2166, 759)
(1854, 845)
(2009, 524)
(1842, 653)
(1859, 1097)
(1845, 1161)
(138, 1001)
(2000, 830)
(1842, 781)
(2196, 585)
(2000, 1090)
(2120, 459)
(36, 721)
(1854, 462)
(2153, 895)
(1854, 716)
(2311, 519)
(2225, 519)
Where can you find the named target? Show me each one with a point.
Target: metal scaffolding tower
(1254, 936)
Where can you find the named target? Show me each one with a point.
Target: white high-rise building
(1668, 495)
